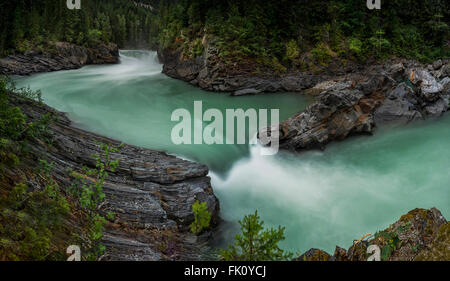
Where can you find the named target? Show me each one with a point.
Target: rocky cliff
(58, 56)
(420, 235)
(210, 73)
(151, 192)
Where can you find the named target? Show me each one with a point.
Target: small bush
(15, 131)
(292, 51)
(93, 37)
(202, 217)
(322, 53)
(356, 46)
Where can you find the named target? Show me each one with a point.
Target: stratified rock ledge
(58, 56)
(151, 193)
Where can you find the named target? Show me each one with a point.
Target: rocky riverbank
(151, 193)
(420, 235)
(357, 103)
(351, 99)
(210, 73)
(58, 56)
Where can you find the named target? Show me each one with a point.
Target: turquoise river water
(323, 199)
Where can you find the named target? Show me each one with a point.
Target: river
(323, 198)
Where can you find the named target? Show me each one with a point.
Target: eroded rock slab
(58, 56)
(151, 193)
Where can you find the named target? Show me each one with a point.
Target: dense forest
(272, 32)
(284, 31)
(30, 24)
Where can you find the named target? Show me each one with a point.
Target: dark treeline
(272, 32)
(283, 30)
(31, 23)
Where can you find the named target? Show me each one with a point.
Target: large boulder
(437, 108)
(336, 114)
(400, 105)
(429, 87)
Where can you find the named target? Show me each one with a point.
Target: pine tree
(256, 243)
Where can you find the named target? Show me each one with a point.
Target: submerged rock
(251, 91)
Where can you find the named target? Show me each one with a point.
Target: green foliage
(380, 45)
(242, 29)
(322, 53)
(292, 51)
(88, 187)
(202, 217)
(356, 46)
(15, 131)
(256, 31)
(390, 243)
(12, 121)
(197, 47)
(28, 219)
(256, 243)
(28, 24)
(110, 216)
(93, 37)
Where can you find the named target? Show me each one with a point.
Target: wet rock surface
(151, 193)
(209, 73)
(358, 103)
(58, 56)
(419, 235)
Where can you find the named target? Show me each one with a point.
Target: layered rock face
(420, 235)
(356, 103)
(151, 193)
(58, 56)
(211, 74)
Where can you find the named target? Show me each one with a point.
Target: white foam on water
(330, 198)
